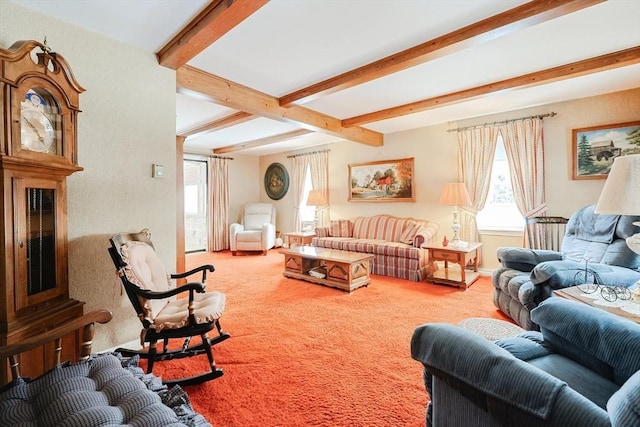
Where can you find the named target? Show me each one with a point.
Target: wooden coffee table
(575, 294)
(342, 269)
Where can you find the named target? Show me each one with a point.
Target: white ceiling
(287, 45)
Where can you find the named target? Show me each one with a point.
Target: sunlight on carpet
(302, 354)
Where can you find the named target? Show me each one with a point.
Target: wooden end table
(301, 238)
(455, 254)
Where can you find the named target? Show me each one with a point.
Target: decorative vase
(445, 242)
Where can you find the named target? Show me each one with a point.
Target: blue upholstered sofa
(527, 277)
(582, 369)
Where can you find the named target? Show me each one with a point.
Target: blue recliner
(528, 276)
(582, 369)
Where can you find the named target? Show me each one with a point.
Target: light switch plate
(157, 171)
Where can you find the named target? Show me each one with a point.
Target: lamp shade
(455, 194)
(621, 192)
(316, 198)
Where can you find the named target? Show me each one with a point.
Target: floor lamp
(455, 194)
(621, 196)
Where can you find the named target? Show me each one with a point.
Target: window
(307, 213)
(500, 211)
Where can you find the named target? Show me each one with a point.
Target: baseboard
(134, 345)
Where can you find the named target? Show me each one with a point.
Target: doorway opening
(195, 205)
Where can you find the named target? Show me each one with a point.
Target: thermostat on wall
(157, 171)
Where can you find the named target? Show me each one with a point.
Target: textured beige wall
(127, 123)
(435, 153)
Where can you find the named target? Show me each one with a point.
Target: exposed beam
(230, 120)
(576, 69)
(262, 141)
(216, 20)
(191, 81)
(512, 20)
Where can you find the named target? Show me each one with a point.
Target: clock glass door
(41, 240)
(39, 259)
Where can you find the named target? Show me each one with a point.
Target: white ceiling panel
(287, 45)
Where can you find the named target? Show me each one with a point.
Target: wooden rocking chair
(164, 316)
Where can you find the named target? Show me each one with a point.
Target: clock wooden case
(39, 108)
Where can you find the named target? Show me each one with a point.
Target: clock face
(38, 129)
(38, 133)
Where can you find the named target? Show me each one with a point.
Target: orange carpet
(302, 354)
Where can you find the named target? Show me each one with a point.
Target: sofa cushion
(409, 233)
(330, 242)
(601, 341)
(381, 227)
(588, 383)
(341, 228)
(399, 250)
(361, 245)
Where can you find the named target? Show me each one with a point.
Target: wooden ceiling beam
(194, 82)
(576, 69)
(216, 20)
(512, 20)
(225, 122)
(263, 141)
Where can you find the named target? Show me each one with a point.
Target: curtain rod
(208, 156)
(306, 154)
(539, 116)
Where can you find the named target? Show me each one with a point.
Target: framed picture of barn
(594, 148)
(382, 181)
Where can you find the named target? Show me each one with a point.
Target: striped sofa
(394, 242)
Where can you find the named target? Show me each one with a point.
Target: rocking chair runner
(164, 316)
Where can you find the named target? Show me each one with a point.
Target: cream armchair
(257, 231)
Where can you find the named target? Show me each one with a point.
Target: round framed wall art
(276, 181)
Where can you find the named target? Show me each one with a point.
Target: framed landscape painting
(382, 181)
(594, 148)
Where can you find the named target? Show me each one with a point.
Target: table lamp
(316, 198)
(621, 196)
(455, 194)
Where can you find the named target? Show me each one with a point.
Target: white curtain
(476, 151)
(218, 212)
(318, 165)
(524, 145)
(298, 174)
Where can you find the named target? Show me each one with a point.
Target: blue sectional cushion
(561, 274)
(104, 390)
(601, 341)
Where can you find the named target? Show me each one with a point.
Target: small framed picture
(594, 148)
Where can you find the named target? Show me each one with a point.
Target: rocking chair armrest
(188, 287)
(203, 268)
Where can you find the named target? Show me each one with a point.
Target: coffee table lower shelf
(342, 269)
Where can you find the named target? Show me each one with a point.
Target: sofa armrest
(482, 368)
(512, 391)
(523, 259)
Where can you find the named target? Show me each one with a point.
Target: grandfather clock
(39, 108)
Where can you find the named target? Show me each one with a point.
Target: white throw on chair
(257, 231)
